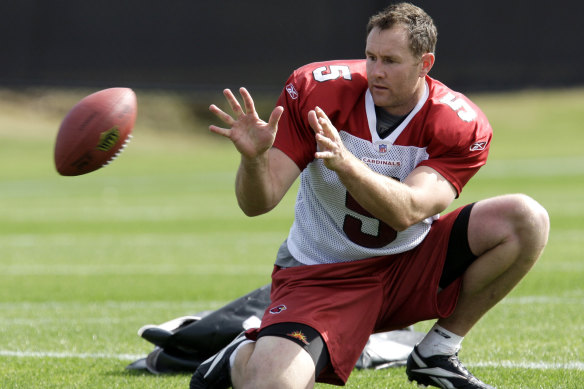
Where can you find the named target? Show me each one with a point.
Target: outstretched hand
(330, 145)
(251, 135)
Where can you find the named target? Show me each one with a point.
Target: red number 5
(352, 227)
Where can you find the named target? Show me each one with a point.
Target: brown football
(95, 131)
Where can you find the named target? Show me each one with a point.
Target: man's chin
(381, 99)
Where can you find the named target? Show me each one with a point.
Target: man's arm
(262, 182)
(265, 173)
(423, 193)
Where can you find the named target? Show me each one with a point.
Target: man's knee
(273, 362)
(514, 217)
(530, 220)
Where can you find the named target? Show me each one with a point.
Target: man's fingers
(221, 131)
(325, 123)
(275, 116)
(232, 100)
(221, 115)
(314, 122)
(247, 100)
(325, 142)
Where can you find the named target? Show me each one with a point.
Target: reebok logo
(438, 372)
(478, 146)
(292, 91)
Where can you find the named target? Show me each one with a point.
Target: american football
(95, 131)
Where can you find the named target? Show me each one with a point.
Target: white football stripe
(573, 365)
(52, 354)
(66, 269)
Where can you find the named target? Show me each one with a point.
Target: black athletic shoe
(214, 372)
(442, 371)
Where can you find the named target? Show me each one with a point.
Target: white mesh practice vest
(317, 235)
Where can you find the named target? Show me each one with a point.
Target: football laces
(128, 139)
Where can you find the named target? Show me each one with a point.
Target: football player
(381, 149)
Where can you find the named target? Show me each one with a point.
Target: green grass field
(86, 261)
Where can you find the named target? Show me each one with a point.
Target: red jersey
(445, 131)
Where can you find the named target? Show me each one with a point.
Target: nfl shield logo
(383, 148)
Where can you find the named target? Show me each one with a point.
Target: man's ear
(427, 62)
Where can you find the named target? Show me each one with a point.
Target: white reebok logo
(215, 362)
(218, 357)
(478, 146)
(436, 374)
(439, 372)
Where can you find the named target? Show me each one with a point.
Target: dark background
(208, 45)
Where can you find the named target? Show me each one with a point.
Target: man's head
(420, 26)
(400, 52)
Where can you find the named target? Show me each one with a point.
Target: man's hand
(251, 135)
(330, 146)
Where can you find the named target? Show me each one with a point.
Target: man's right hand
(249, 133)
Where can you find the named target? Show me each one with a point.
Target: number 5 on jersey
(460, 106)
(332, 72)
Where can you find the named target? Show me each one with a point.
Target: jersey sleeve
(461, 140)
(335, 86)
(295, 137)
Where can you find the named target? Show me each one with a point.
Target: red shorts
(347, 302)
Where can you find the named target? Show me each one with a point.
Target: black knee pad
(305, 336)
(459, 256)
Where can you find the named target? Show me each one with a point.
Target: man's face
(394, 75)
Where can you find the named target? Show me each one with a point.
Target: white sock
(234, 353)
(439, 341)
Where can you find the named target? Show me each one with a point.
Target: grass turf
(88, 260)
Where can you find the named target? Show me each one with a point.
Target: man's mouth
(378, 87)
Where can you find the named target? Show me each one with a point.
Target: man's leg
(285, 355)
(272, 362)
(508, 234)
